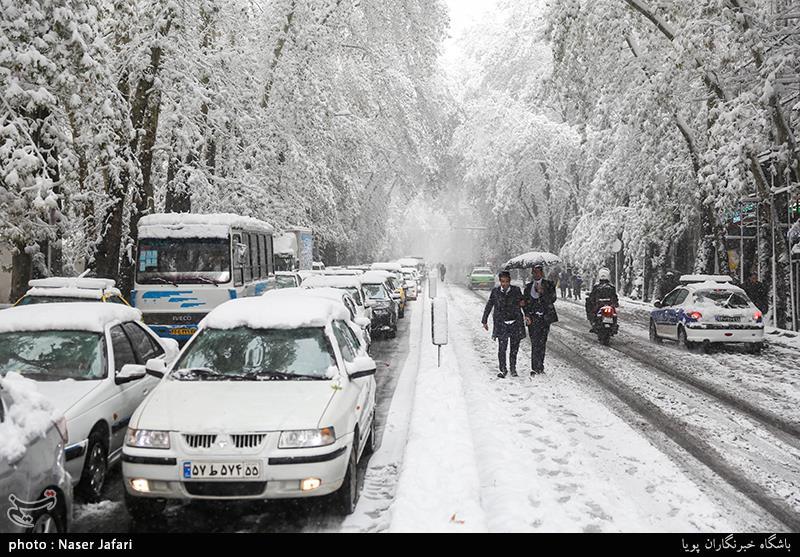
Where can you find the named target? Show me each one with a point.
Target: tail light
(61, 426)
(608, 311)
(758, 316)
(696, 315)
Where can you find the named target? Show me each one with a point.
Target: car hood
(65, 395)
(235, 406)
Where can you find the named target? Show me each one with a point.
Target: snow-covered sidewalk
(518, 455)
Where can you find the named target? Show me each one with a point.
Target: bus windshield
(183, 260)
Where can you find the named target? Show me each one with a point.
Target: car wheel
(372, 439)
(653, 333)
(347, 495)
(144, 509)
(51, 521)
(392, 333)
(682, 340)
(95, 469)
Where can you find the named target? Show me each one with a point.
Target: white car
(707, 312)
(88, 359)
(351, 284)
(270, 399)
(287, 279)
(71, 289)
(411, 283)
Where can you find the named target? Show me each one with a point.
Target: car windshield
(722, 298)
(183, 260)
(30, 300)
(375, 291)
(52, 355)
(257, 355)
(283, 281)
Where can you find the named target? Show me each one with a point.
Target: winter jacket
(505, 307)
(542, 308)
(602, 293)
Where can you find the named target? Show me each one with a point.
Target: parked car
(287, 279)
(411, 283)
(481, 277)
(383, 301)
(317, 266)
(87, 358)
(707, 312)
(360, 325)
(71, 289)
(35, 488)
(395, 285)
(350, 284)
(269, 400)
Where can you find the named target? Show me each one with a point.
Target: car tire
(346, 497)
(755, 348)
(392, 333)
(52, 521)
(95, 468)
(683, 341)
(144, 509)
(372, 440)
(654, 333)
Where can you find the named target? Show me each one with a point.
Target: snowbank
(67, 316)
(29, 416)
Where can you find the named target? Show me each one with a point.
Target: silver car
(35, 488)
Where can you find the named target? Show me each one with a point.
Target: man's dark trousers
(502, 345)
(538, 332)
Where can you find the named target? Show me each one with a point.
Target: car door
(672, 312)
(663, 321)
(349, 348)
(127, 396)
(145, 347)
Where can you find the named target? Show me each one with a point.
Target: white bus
(188, 264)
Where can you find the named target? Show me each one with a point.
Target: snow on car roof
(67, 316)
(705, 278)
(73, 293)
(386, 266)
(713, 285)
(335, 281)
(409, 262)
(375, 277)
(281, 309)
(193, 225)
(88, 283)
(29, 416)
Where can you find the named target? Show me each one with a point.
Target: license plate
(221, 470)
(729, 318)
(608, 319)
(183, 331)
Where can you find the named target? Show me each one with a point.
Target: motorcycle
(606, 324)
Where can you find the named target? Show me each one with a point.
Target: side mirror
(362, 322)
(362, 366)
(658, 304)
(156, 367)
(171, 347)
(130, 372)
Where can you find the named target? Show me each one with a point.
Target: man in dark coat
(506, 302)
(540, 313)
(757, 292)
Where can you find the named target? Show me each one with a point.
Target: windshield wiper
(260, 375)
(203, 372)
(207, 281)
(165, 281)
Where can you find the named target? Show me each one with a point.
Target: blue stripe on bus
(155, 294)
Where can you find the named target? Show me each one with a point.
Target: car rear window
(722, 298)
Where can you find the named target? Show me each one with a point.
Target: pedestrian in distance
(577, 285)
(540, 312)
(563, 282)
(505, 302)
(442, 271)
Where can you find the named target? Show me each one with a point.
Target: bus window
(270, 255)
(238, 260)
(263, 251)
(262, 271)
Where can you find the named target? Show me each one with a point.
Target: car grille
(199, 441)
(225, 489)
(247, 440)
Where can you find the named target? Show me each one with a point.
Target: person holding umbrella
(506, 303)
(540, 313)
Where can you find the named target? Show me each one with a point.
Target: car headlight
(147, 439)
(305, 438)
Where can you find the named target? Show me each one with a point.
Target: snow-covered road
(609, 441)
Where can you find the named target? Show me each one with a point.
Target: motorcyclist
(603, 293)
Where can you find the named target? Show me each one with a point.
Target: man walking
(540, 313)
(563, 283)
(506, 302)
(577, 285)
